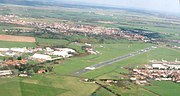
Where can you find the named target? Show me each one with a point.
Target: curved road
(109, 62)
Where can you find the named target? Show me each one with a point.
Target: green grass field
(164, 88)
(15, 87)
(39, 90)
(7, 44)
(102, 92)
(51, 42)
(133, 91)
(41, 85)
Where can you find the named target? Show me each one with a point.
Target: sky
(172, 6)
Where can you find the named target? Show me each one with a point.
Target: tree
(4, 59)
(36, 69)
(19, 58)
(11, 58)
(101, 40)
(50, 69)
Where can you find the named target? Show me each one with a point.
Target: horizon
(168, 6)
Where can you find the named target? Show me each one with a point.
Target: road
(109, 62)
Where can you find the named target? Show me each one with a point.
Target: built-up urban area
(157, 70)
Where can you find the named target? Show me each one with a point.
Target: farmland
(17, 38)
(51, 42)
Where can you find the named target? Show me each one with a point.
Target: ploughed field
(17, 38)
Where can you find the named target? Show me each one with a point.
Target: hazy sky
(158, 5)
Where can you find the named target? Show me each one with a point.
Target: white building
(48, 49)
(1, 54)
(174, 66)
(88, 44)
(19, 50)
(159, 66)
(41, 56)
(62, 54)
(4, 49)
(12, 54)
(68, 50)
(5, 72)
(23, 75)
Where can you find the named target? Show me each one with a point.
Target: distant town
(69, 28)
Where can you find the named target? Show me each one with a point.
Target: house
(1, 55)
(41, 56)
(68, 50)
(64, 52)
(88, 44)
(89, 80)
(22, 50)
(12, 54)
(141, 82)
(16, 62)
(133, 79)
(177, 67)
(23, 75)
(61, 53)
(48, 49)
(41, 71)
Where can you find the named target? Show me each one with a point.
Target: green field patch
(28, 89)
(10, 87)
(73, 85)
(51, 42)
(7, 44)
(15, 87)
(164, 88)
(102, 92)
(163, 53)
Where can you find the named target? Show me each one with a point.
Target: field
(17, 38)
(102, 92)
(40, 85)
(164, 88)
(5, 44)
(51, 42)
